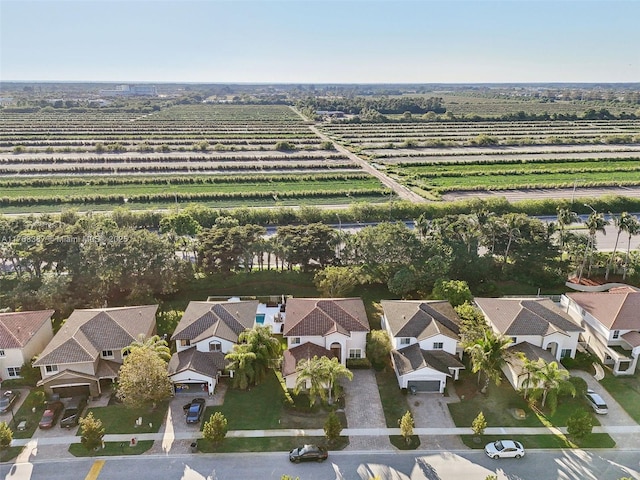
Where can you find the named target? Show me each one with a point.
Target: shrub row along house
(85, 355)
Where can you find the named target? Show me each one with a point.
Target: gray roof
(225, 320)
(191, 359)
(518, 316)
(17, 328)
(421, 319)
(323, 316)
(413, 358)
(530, 352)
(87, 332)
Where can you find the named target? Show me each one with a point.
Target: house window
(437, 345)
(51, 368)
(215, 346)
(616, 334)
(107, 353)
(405, 341)
(125, 353)
(295, 341)
(514, 339)
(13, 371)
(565, 352)
(185, 343)
(1, 353)
(355, 353)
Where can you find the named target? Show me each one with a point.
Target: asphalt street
(414, 465)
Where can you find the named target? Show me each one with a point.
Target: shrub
(216, 428)
(358, 363)
(283, 146)
(580, 424)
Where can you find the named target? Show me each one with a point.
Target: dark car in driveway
(196, 408)
(50, 415)
(72, 410)
(7, 399)
(308, 453)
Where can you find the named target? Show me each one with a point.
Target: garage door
(425, 385)
(185, 388)
(72, 391)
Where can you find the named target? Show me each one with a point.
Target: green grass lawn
(394, 402)
(25, 413)
(110, 449)
(121, 419)
(267, 444)
(594, 440)
(626, 391)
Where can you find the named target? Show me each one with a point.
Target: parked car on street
(50, 415)
(195, 410)
(7, 399)
(597, 403)
(504, 449)
(72, 411)
(308, 453)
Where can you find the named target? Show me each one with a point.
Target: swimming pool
(260, 318)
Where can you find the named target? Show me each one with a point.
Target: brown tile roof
(17, 328)
(321, 317)
(307, 350)
(517, 316)
(87, 332)
(421, 319)
(225, 320)
(615, 309)
(205, 363)
(412, 358)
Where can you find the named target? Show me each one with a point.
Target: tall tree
(334, 371)
(335, 282)
(595, 223)
(154, 343)
(312, 376)
(242, 363)
(621, 222)
(260, 341)
(216, 428)
(633, 228)
(565, 217)
(551, 381)
(406, 426)
(91, 432)
(143, 379)
(488, 356)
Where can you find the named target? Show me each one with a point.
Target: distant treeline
(383, 105)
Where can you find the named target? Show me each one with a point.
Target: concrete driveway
(430, 410)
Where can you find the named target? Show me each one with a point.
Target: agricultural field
(212, 154)
(436, 158)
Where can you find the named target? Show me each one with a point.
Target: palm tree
(154, 343)
(313, 372)
(595, 223)
(565, 217)
(242, 364)
(335, 370)
(266, 348)
(552, 380)
(621, 224)
(633, 228)
(488, 356)
(532, 368)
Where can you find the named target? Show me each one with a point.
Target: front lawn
(594, 440)
(111, 449)
(394, 402)
(263, 407)
(267, 444)
(25, 412)
(626, 391)
(120, 419)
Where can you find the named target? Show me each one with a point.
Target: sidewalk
(633, 431)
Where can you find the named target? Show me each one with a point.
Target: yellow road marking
(95, 470)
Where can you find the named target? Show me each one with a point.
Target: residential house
(85, 355)
(611, 324)
(337, 326)
(548, 332)
(425, 340)
(207, 331)
(23, 335)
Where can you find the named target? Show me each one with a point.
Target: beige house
(86, 353)
(611, 322)
(337, 326)
(23, 335)
(425, 340)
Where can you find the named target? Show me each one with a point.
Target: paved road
(413, 465)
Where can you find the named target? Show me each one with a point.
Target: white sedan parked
(504, 449)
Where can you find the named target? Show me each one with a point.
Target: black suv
(72, 410)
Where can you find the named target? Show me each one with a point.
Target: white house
(425, 340)
(23, 335)
(548, 332)
(611, 322)
(338, 326)
(206, 332)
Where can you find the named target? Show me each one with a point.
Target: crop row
(487, 164)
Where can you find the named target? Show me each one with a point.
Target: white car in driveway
(597, 403)
(504, 449)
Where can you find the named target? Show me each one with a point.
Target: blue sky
(329, 41)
